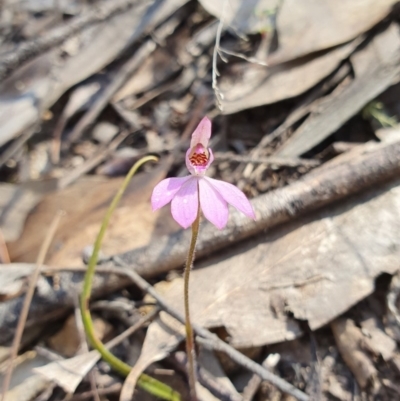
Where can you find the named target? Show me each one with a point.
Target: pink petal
(234, 196)
(212, 204)
(164, 191)
(185, 205)
(202, 133)
(210, 158)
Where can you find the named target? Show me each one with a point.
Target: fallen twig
(211, 340)
(27, 301)
(345, 175)
(115, 388)
(252, 60)
(273, 160)
(215, 74)
(84, 348)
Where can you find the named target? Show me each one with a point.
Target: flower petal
(164, 191)
(202, 133)
(234, 196)
(185, 204)
(210, 158)
(212, 204)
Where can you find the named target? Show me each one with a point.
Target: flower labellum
(187, 194)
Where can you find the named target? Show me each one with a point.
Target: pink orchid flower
(186, 194)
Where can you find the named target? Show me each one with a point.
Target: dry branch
(27, 301)
(277, 161)
(346, 175)
(213, 342)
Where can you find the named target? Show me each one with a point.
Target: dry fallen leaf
(376, 68)
(208, 360)
(25, 385)
(307, 26)
(67, 341)
(157, 68)
(245, 16)
(16, 202)
(68, 373)
(13, 279)
(131, 226)
(162, 336)
(258, 85)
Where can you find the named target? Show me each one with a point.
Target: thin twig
(373, 167)
(85, 348)
(129, 331)
(218, 95)
(310, 102)
(271, 160)
(211, 340)
(27, 301)
(251, 60)
(31, 48)
(115, 388)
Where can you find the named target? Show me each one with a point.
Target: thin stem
(218, 94)
(191, 356)
(149, 384)
(27, 302)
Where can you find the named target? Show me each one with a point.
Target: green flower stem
(146, 382)
(190, 350)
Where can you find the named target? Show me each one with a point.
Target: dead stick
(115, 388)
(28, 50)
(27, 301)
(342, 177)
(211, 338)
(269, 160)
